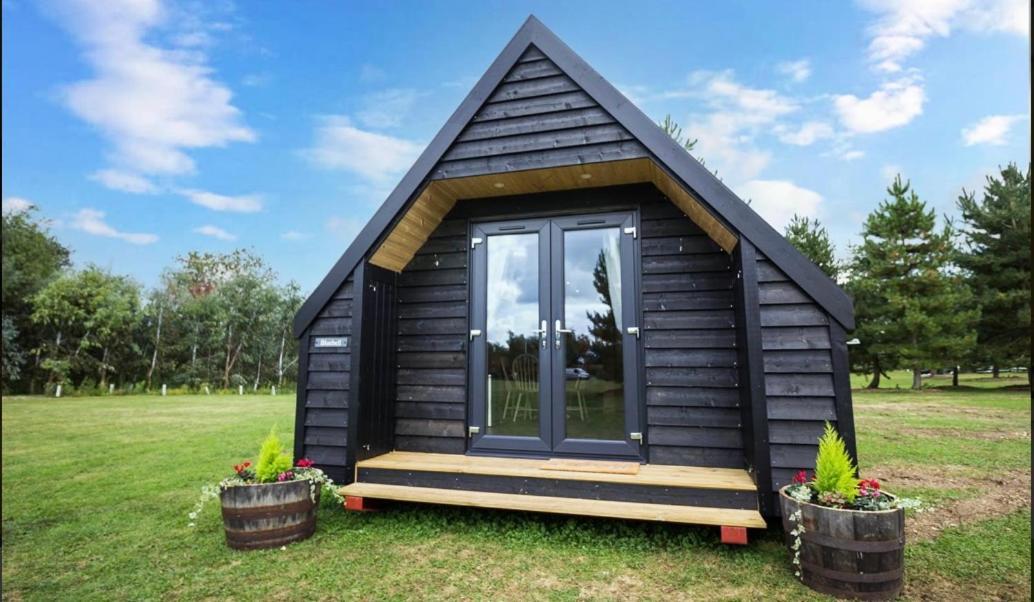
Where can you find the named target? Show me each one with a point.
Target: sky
(143, 129)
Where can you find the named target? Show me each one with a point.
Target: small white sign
(320, 342)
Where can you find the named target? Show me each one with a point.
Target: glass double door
(553, 337)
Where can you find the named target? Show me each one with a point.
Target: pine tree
(912, 309)
(811, 238)
(996, 231)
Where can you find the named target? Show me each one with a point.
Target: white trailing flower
(797, 532)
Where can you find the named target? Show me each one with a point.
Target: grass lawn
(96, 493)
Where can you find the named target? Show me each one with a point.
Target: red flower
(869, 487)
(800, 478)
(285, 476)
(304, 463)
(239, 468)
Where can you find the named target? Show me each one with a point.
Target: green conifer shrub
(834, 470)
(272, 460)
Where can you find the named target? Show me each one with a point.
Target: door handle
(543, 333)
(558, 329)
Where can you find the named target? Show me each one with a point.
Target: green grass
(96, 493)
(902, 379)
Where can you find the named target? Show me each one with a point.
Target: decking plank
(694, 515)
(649, 474)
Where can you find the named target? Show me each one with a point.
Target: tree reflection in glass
(593, 365)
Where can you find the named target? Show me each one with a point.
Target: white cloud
(222, 202)
(376, 157)
(902, 28)
(92, 222)
(992, 130)
(809, 133)
(214, 232)
(851, 154)
(388, 108)
(294, 235)
(797, 71)
(727, 136)
(889, 172)
(778, 200)
(16, 204)
(124, 181)
(153, 103)
(895, 104)
(345, 228)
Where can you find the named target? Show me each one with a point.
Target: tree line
(935, 296)
(214, 321)
(927, 295)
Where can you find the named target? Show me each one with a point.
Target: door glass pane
(510, 335)
(593, 366)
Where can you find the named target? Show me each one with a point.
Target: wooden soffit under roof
(438, 198)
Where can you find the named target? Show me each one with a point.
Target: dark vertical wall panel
(321, 418)
(373, 400)
(805, 381)
(537, 117)
(752, 374)
(431, 392)
(689, 341)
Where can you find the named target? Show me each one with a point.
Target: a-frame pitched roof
(703, 184)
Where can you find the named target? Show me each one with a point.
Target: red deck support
(359, 504)
(734, 535)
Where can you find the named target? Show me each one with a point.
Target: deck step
(694, 477)
(695, 515)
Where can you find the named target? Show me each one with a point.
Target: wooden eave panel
(438, 198)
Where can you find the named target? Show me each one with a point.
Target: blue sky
(144, 129)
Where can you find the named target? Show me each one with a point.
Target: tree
(996, 231)
(675, 131)
(91, 316)
(811, 238)
(912, 309)
(31, 259)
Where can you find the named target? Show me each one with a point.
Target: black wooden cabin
(559, 309)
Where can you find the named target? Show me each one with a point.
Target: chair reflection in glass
(521, 385)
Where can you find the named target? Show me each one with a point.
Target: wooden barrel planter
(848, 553)
(268, 515)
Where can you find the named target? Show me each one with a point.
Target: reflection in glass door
(552, 366)
(508, 342)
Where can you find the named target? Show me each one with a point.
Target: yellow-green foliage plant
(272, 460)
(834, 470)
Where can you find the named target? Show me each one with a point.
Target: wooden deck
(677, 494)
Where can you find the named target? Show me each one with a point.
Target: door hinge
(633, 330)
(636, 437)
(473, 430)
(474, 333)
(475, 241)
(631, 230)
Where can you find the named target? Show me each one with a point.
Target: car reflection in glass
(576, 374)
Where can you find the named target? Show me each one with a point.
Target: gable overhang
(707, 200)
(438, 197)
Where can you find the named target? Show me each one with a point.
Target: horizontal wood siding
(798, 372)
(430, 391)
(689, 340)
(327, 386)
(537, 117)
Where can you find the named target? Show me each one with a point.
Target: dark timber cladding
(689, 342)
(431, 392)
(537, 117)
(799, 389)
(321, 429)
